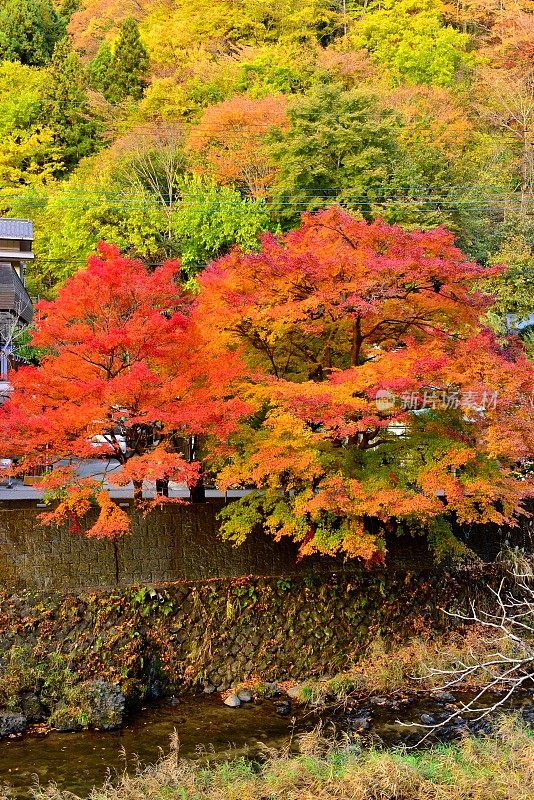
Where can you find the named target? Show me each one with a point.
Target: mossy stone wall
(190, 635)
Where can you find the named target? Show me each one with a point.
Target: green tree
(513, 289)
(210, 219)
(73, 216)
(68, 7)
(29, 30)
(75, 130)
(27, 152)
(340, 146)
(129, 67)
(177, 31)
(410, 39)
(276, 69)
(99, 70)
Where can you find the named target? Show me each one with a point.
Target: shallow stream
(205, 726)
(79, 761)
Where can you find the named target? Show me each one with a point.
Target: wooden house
(16, 310)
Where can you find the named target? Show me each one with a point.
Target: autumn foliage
(381, 403)
(342, 374)
(117, 378)
(230, 141)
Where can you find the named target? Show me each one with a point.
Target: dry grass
(403, 669)
(500, 767)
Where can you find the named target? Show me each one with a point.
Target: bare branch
(512, 620)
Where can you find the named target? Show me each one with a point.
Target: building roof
(16, 255)
(16, 228)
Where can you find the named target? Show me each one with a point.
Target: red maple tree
(342, 374)
(120, 377)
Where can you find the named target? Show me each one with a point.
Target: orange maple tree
(229, 141)
(119, 377)
(380, 401)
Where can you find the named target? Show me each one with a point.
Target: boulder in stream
(360, 723)
(232, 701)
(428, 719)
(12, 723)
(445, 697)
(91, 704)
(283, 708)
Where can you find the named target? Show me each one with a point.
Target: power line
(298, 197)
(378, 194)
(419, 199)
(430, 206)
(332, 188)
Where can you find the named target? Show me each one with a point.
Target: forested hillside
(180, 127)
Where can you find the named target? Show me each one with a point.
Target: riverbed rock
(245, 695)
(272, 690)
(232, 701)
(360, 723)
(91, 704)
(378, 701)
(445, 697)
(65, 719)
(480, 727)
(107, 705)
(428, 719)
(283, 708)
(11, 724)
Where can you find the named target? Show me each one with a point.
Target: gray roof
(16, 255)
(16, 228)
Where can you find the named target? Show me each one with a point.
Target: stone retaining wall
(213, 634)
(175, 543)
(178, 542)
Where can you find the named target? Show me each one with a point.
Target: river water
(77, 762)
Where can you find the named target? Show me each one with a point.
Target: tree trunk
(357, 341)
(197, 492)
(526, 172)
(162, 487)
(138, 491)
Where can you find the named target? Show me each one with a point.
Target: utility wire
(391, 188)
(371, 196)
(420, 199)
(377, 205)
